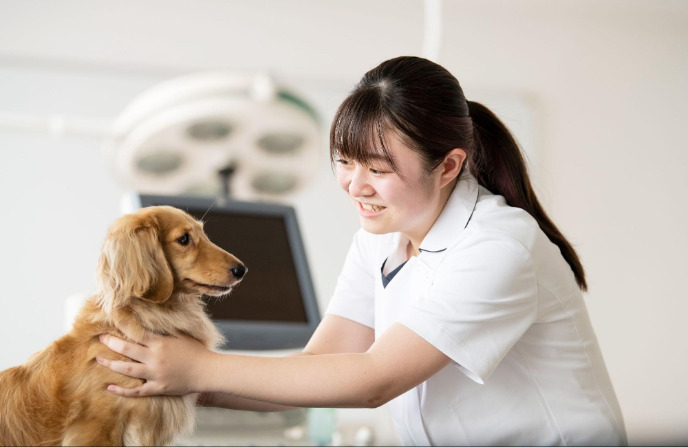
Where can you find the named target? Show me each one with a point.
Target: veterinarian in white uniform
(492, 293)
(459, 304)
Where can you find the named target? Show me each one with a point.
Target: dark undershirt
(387, 278)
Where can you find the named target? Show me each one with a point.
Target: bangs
(358, 130)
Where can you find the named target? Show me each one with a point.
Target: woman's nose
(358, 183)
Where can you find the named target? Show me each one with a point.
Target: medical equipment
(185, 135)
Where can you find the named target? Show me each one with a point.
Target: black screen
(270, 290)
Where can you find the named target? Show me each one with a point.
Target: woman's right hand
(169, 365)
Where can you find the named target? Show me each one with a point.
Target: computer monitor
(274, 307)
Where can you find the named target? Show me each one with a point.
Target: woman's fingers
(128, 349)
(131, 369)
(135, 368)
(139, 391)
(163, 362)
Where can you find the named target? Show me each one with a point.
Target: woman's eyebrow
(378, 157)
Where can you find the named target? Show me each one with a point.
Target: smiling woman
(459, 304)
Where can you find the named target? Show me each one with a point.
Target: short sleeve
(482, 299)
(354, 295)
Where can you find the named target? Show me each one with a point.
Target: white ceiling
(310, 39)
(304, 38)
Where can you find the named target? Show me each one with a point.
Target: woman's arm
(334, 334)
(337, 335)
(396, 362)
(223, 400)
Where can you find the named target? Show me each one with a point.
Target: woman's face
(406, 201)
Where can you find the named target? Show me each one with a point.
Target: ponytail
(498, 165)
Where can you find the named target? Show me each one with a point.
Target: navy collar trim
(432, 251)
(458, 210)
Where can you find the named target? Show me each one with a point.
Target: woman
(459, 304)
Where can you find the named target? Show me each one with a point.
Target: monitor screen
(274, 307)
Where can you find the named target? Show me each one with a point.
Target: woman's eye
(342, 162)
(377, 171)
(184, 240)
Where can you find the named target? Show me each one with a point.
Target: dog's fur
(148, 281)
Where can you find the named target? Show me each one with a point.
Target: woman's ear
(451, 165)
(132, 264)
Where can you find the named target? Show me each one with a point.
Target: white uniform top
(491, 292)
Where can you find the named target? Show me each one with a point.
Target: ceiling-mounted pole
(432, 34)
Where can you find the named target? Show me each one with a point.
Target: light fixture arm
(226, 175)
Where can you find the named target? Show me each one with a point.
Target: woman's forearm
(223, 400)
(329, 380)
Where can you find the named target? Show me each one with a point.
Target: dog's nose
(239, 271)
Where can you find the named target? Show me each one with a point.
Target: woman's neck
(415, 239)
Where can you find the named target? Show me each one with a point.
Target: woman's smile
(369, 210)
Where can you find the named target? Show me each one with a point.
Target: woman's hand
(169, 365)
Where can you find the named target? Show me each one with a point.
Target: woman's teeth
(368, 207)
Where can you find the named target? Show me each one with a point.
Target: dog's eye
(184, 240)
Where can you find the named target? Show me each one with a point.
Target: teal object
(322, 422)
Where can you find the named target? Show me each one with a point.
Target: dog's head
(159, 251)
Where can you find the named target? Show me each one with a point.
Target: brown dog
(154, 267)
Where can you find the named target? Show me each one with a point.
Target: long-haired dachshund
(154, 267)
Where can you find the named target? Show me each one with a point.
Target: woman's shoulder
(513, 230)
(493, 218)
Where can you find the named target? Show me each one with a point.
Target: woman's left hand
(169, 365)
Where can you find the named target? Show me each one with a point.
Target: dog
(154, 267)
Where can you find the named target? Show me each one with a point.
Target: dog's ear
(132, 264)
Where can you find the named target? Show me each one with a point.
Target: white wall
(604, 83)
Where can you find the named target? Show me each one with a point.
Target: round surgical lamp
(205, 133)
